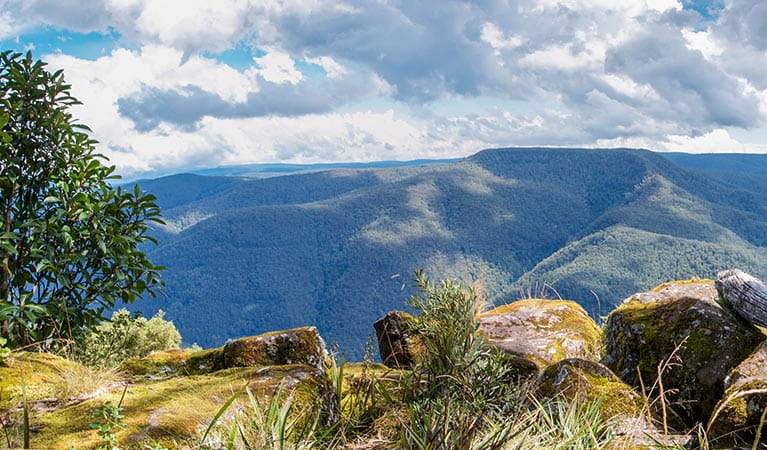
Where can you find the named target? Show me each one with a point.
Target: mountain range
(337, 248)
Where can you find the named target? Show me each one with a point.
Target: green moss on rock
(296, 346)
(542, 331)
(589, 381)
(739, 412)
(646, 329)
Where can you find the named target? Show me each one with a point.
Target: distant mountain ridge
(337, 248)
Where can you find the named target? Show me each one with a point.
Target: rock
(744, 294)
(585, 381)
(542, 331)
(738, 414)
(396, 344)
(575, 378)
(296, 346)
(709, 340)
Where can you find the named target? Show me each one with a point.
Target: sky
(172, 85)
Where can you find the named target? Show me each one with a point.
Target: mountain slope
(334, 249)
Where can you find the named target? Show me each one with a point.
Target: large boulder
(738, 414)
(579, 380)
(542, 331)
(681, 323)
(396, 343)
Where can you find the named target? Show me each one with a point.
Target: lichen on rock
(542, 331)
(681, 319)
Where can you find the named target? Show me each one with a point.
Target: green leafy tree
(69, 240)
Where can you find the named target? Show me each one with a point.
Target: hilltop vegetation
(335, 248)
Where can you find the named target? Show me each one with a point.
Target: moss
(204, 361)
(44, 376)
(175, 411)
(158, 364)
(663, 286)
(581, 380)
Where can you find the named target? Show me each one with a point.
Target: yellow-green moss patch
(175, 411)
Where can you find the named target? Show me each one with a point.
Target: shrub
(126, 336)
(461, 384)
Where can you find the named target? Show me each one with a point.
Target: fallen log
(745, 294)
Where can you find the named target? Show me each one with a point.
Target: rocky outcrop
(297, 346)
(679, 330)
(738, 414)
(162, 403)
(542, 331)
(396, 343)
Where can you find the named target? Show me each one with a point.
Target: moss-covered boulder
(738, 414)
(681, 321)
(578, 379)
(296, 346)
(396, 343)
(542, 331)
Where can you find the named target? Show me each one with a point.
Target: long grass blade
(221, 412)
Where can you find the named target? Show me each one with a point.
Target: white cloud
(569, 72)
(715, 141)
(703, 42)
(277, 67)
(499, 40)
(331, 67)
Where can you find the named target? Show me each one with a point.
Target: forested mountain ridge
(335, 248)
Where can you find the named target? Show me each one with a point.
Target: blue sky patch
(708, 9)
(46, 40)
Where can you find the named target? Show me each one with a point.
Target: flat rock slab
(542, 331)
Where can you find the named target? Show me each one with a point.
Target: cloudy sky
(174, 84)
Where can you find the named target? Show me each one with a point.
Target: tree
(69, 239)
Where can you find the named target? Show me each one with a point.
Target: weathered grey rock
(396, 343)
(744, 294)
(738, 414)
(542, 331)
(709, 340)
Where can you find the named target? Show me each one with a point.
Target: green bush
(461, 384)
(126, 336)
